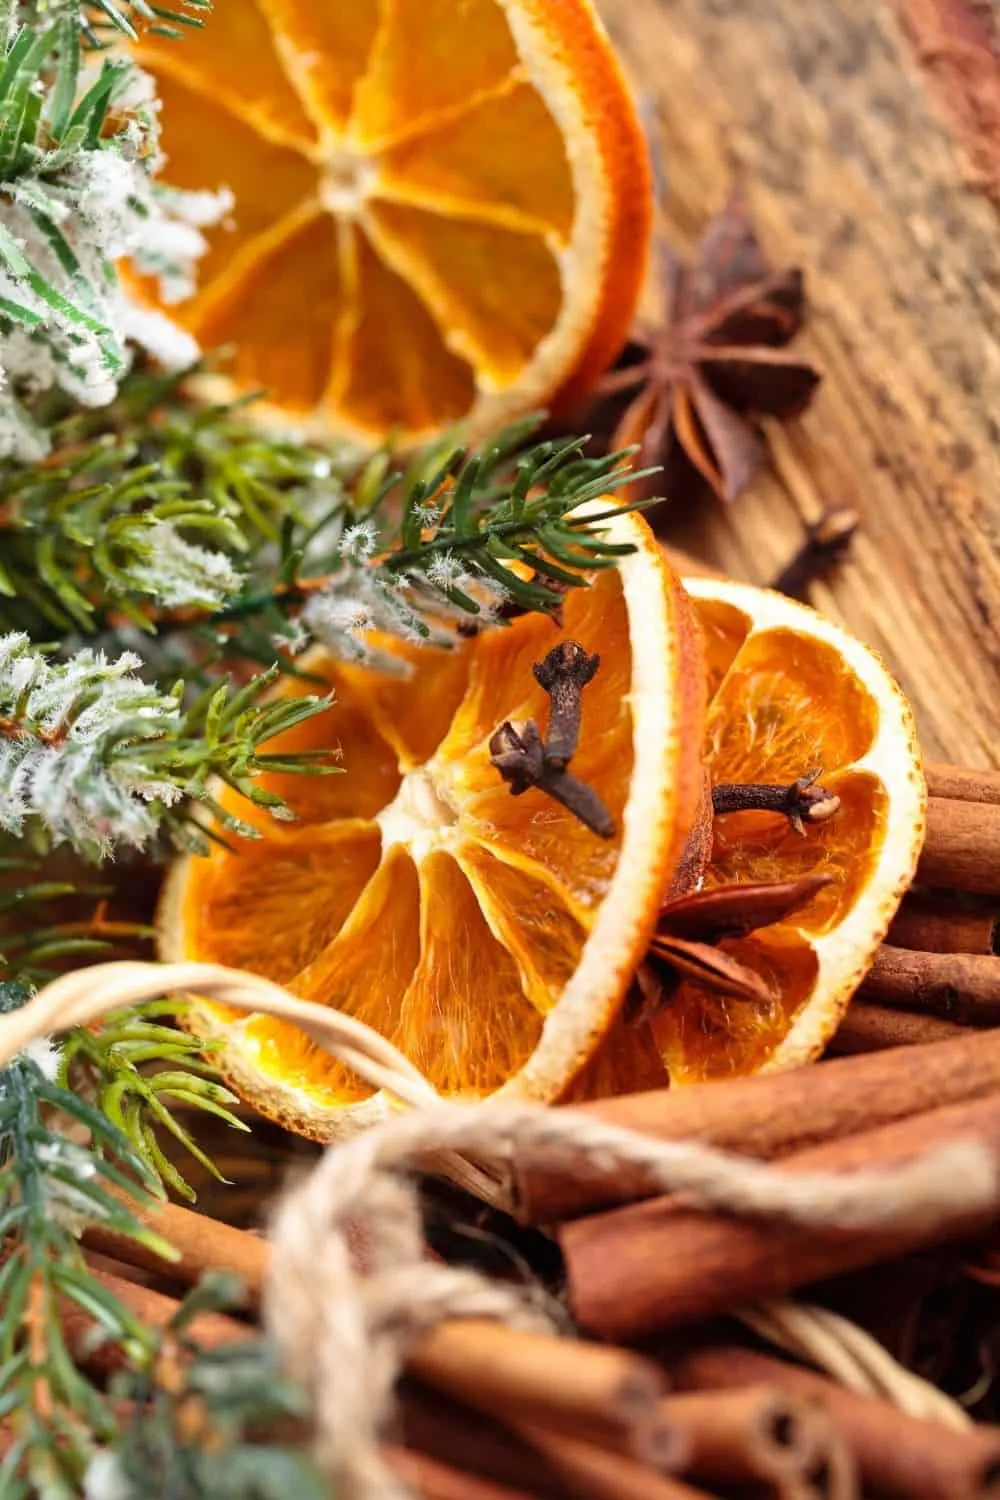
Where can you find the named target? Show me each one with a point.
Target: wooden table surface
(828, 116)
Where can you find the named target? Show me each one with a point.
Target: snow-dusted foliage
(69, 738)
(75, 204)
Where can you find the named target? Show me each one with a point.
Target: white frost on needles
(70, 752)
(66, 220)
(105, 1478)
(176, 572)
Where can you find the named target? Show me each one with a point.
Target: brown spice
(936, 922)
(827, 542)
(691, 924)
(714, 366)
(751, 1436)
(542, 1461)
(962, 987)
(572, 1386)
(524, 760)
(962, 848)
(873, 1028)
(605, 1395)
(962, 783)
(651, 1266)
(435, 1480)
(772, 1115)
(899, 1456)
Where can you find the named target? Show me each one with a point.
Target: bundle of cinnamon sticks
(661, 1394)
(938, 971)
(491, 1413)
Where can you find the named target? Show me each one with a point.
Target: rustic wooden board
(824, 115)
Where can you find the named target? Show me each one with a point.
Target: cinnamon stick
(771, 1115)
(566, 1384)
(609, 1396)
(962, 783)
(593, 1473)
(749, 1436)
(899, 1456)
(934, 923)
(555, 1465)
(962, 848)
(435, 1480)
(874, 1028)
(651, 1266)
(961, 987)
(211, 1329)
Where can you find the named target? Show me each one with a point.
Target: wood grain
(825, 117)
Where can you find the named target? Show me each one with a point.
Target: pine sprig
(48, 922)
(49, 1186)
(151, 504)
(93, 756)
(201, 1420)
(113, 1064)
(78, 144)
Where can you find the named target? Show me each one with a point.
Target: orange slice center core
(347, 180)
(419, 817)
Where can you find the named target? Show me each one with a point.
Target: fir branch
(152, 501)
(138, 1071)
(201, 1418)
(414, 552)
(48, 921)
(78, 144)
(93, 756)
(49, 1186)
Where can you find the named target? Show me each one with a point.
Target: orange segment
(530, 916)
(367, 968)
(257, 309)
(464, 975)
(240, 899)
(449, 148)
(703, 1036)
(238, 65)
(789, 703)
(267, 180)
(630, 1061)
(325, 50)
(486, 912)
(427, 60)
(724, 629)
(764, 846)
(497, 291)
(476, 167)
(413, 381)
(412, 711)
(347, 730)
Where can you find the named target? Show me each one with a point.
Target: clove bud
(564, 673)
(802, 802)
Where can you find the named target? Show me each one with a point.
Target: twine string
(343, 1333)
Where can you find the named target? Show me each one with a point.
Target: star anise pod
(694, 923)
(714, 366)
(690, 928)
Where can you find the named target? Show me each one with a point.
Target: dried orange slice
(789, 692)
(441, 206)
(491, 937)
